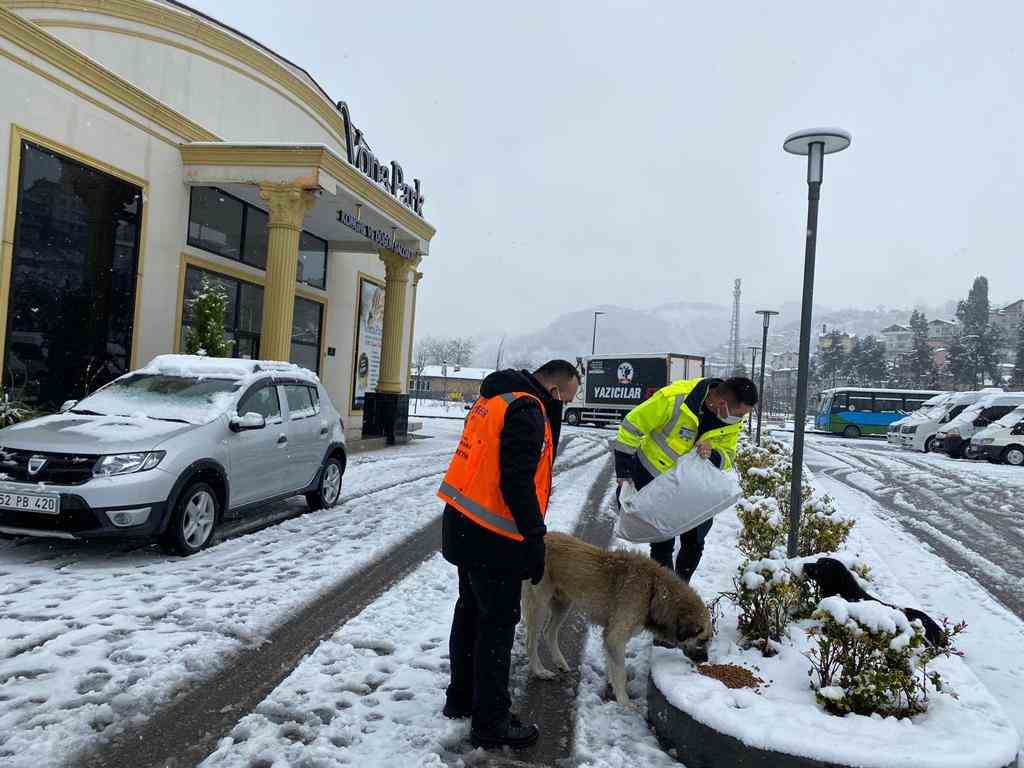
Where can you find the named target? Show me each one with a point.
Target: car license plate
(43, 503)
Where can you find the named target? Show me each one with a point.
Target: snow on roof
(455, 372)
(222, 367)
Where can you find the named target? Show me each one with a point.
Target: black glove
(534, 558)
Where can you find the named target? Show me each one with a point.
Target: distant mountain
(696, 328)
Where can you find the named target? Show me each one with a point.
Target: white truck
(612, 385)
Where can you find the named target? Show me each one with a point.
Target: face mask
(728, 418)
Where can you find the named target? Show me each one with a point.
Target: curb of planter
(700, 746)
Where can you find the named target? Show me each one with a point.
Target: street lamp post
(753, 365)
(766, 315)
(815, 144)
(593, 343)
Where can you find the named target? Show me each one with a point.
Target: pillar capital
(288, 204)
(395, 266)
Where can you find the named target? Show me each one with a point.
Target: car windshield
(1012, 418)
(188, 399)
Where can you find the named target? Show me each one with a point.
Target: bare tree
(522, 362)
(431, 350)
(460, 350)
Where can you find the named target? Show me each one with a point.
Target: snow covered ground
(372, 694)
(93, 634)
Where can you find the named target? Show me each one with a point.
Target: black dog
(833, 578)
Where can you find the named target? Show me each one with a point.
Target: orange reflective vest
(472, 483)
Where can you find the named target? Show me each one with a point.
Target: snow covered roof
(222, 367)
(455, 372)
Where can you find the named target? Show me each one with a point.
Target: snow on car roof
(222, 367)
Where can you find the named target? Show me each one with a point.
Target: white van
(1002, 441)
(919, 435)
(894, 435)
(954, 438)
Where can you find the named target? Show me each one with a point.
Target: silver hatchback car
(170, 450)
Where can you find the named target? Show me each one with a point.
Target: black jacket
(466, 544)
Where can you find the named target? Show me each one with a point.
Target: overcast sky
(630, 153)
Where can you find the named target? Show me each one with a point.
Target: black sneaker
(456, 712)
(510, 732)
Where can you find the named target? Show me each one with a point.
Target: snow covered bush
(767, 594)
(870, 659)
(765, 525)
(205, 336)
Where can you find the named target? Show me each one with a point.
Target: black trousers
(480, 647)
(691, 543)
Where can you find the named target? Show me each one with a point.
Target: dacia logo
(36, 464)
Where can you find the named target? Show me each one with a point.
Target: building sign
(384, 239)
(369, 335)
(389, 178)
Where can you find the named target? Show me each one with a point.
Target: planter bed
(781, 725)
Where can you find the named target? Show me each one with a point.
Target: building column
(396, 277)
(288, 207)
(416, 277)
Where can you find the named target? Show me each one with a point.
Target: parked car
(895, 434)
(1003, 440)
(920, 435)
(954, 438)
(171, 450)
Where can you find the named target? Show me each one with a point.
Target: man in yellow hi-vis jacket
(705, 415)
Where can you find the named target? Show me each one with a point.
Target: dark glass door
(73, 277)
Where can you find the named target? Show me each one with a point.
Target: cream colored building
(147, 146)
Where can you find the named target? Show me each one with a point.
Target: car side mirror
(68, 405)
(248, 422)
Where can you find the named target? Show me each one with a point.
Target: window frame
(255, 388)
(292, 415)
(242, 234)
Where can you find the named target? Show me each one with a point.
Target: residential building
(899, 341)
(447, 382)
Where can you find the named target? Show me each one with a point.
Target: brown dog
(624, 592)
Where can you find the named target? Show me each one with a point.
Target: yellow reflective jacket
(664, 428)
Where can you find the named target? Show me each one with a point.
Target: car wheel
(572, 418)
(1014, 456)
(851, 431)
(928, 444)
(326, 495)
(192, 520)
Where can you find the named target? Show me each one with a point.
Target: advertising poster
(369, 336)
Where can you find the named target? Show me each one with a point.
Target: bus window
(826, 405)
(862, 401)
(888, 404)
(914, 402)
(839, 402)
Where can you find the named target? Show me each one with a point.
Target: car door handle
(281, 440)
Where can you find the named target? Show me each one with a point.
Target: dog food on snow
(731, 675)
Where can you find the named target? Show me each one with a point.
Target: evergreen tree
(851, 370)
(920, 364)
(871, 366)
(206, 334)
(980, 339)
(959, 366)
(1018, 367)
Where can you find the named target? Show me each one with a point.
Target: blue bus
(856, 411)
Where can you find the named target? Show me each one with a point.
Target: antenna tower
(734, 328)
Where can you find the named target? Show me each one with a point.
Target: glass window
(243, 315)
(263, 401)
(312, 261)
(839, 401)
(215, 222)
(314, 395)
(300, 405)
(190, 399)
(995, 413)
(73, 277)
(306, 330)
(861, 401)
(254, 249)
(888, 404)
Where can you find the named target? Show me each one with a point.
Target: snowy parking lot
(96, 638)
